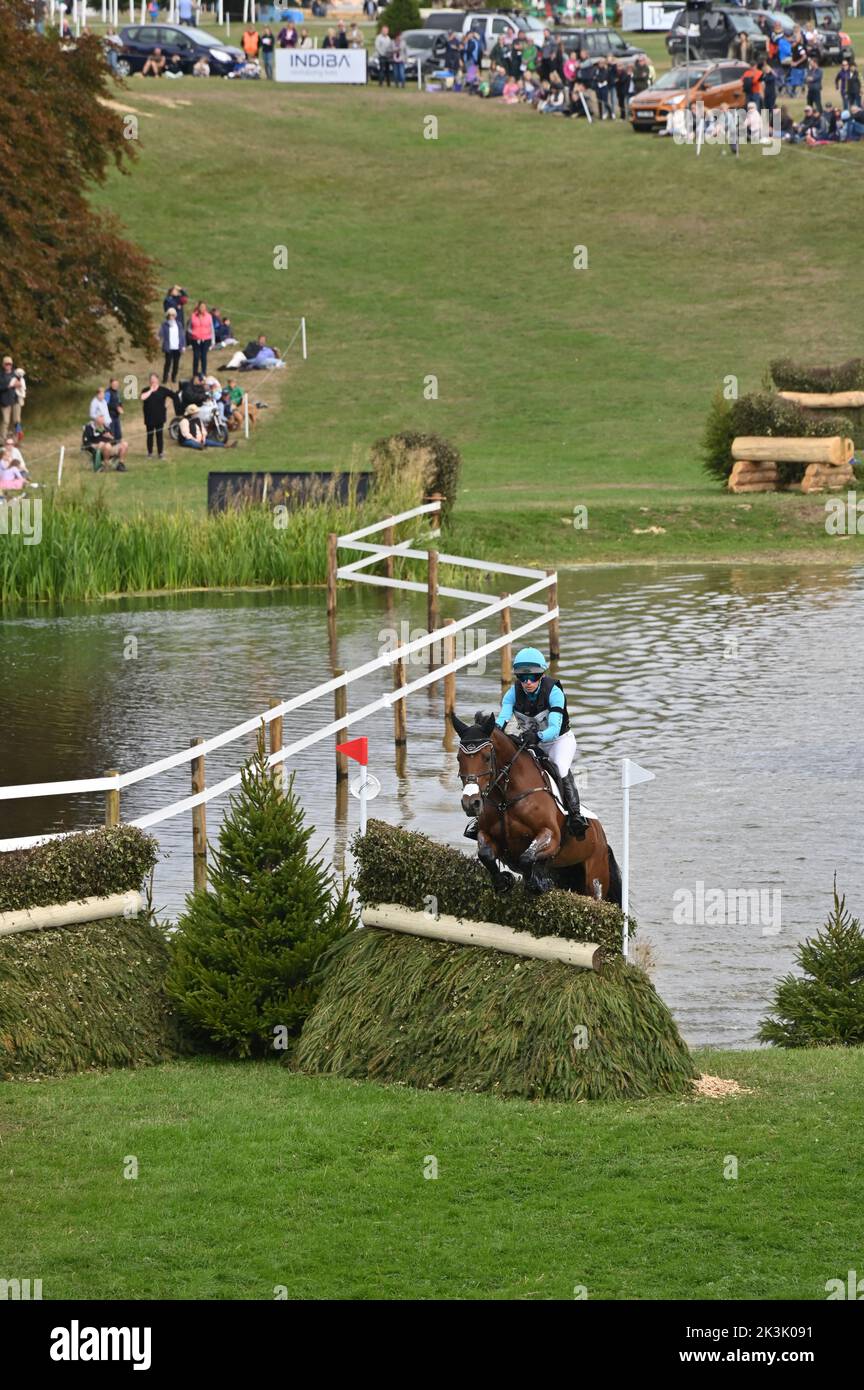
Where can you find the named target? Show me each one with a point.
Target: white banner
(320, 65)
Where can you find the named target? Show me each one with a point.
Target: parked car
(834, 43)
(827, 46)
(711, 83)
(139, 41)
(712, 32)
(423, 46)
(599, 43)
(492, 24)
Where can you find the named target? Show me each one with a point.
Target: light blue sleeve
(508, 704)
(556, 716)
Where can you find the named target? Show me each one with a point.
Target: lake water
(737, 687)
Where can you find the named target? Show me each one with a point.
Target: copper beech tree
(71, 282)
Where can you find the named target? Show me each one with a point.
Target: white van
(490, 23)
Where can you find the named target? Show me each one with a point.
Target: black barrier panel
(235, 490)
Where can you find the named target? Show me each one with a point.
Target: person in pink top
(200, 333)
(511, 91)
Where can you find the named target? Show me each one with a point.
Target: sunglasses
(529, 677)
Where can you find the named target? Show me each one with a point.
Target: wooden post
(112, 801)
(400, 731)
(332, 565)
(450, 678)
(199, 823)
(554, 633)
(507, 651)
(276, 746)
(388, 540)
(432, 618)
(340, 700)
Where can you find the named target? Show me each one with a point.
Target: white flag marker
(631, 775)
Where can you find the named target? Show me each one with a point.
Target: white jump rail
(520, 599)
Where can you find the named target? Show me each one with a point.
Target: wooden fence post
(507, 650)
(554, 632)
(432, 618)
(388, 540)
(400, 726)
(112, 801)
(340, 701)
(199, 823)
(450, 678)
(276, 746)
(332, 566)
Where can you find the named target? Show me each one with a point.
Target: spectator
(257, 354)
(103, 449)
(176, 299)
(154, 400)
(814, 85)
(185, 12)
(769, 89)
(222, 331)
(250, 43)
(452, 53)
(172, 337)
(384, 50)
(201, 67)
(751, 82)
(287, 36)
(268, 43)
(153, 11)
(355, 38)
(370, 9)
(175, 66)
(14, 453)
(201, 336)
(329, 40)
(304, 39)
(473, 54)
(193, 434)
(341, 36)
(100, 413)
(398, 61)
(115, 408)
(111, 42)
(154, 66)
(605, 91)
(641, 75)
(512, 90)
(8, 394)
(12, 478)
(624, 89)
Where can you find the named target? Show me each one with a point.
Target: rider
(541, 698)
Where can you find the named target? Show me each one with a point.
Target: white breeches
(561, 751)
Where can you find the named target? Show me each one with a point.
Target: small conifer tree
(245, 949)
(826, 1005)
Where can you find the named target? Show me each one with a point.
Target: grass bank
(251, 1177)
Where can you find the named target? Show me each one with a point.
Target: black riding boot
(470, 831)
(576, 822)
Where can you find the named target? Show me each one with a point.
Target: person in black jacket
(176, 298)
(154, 400)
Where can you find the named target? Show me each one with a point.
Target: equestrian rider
(541, 699)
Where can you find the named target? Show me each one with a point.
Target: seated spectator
(512, 91)
(175, 67)
(201, 67)
(155, 64)
(14, 453)
(553, 103)
(13, 473)
(222, 332)
(103, 449)
(193, 434)
(255, 356)
(100, 411)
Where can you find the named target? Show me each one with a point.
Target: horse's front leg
(502, 882)
(535, 860)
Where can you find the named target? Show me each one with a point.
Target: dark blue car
(139, 42)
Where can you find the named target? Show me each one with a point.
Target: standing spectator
(201, 335)
(250, 42)
(814, 85)
(384, 50)
(153, 11)
(100, 415)
(268, 43)
(473, 54)
(287, 37)
(115, 408)
(605, 91)
(153, 401)
(341, 36)
(304, 39)
(8, 395)
(641, 75)
(853, 93)
(21, 397)
(452, 53)
(176, 299)
(370, 9)
(172, 336)
(841, 82)
(355, 38)
(398, 61)
(769, 90)
(185, 12)
(624, 88)
(329, 41)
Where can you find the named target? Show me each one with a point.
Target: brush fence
(524, 599)
(489, 935)
(828, 461)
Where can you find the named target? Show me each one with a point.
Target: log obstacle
(71, 914)
(819, 400)
(489, 935)
(827, 460)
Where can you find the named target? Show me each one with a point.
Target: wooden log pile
(827, 460)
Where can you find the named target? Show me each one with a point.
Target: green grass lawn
(250, 1177)
(453, 258)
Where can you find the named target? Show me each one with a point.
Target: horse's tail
(614, 879)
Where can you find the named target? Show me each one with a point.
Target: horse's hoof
(504, 883)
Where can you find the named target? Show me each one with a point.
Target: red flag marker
(356, 748)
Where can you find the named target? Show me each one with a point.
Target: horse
(519, 822)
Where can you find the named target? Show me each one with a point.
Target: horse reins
(502, 805)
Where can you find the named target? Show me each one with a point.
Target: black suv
(825, 18)
(713, 31)
(599, 43)
(140, 41)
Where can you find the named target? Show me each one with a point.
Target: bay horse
(519, 821)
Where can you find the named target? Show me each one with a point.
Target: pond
(737, 686)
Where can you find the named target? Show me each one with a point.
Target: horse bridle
(502, 806)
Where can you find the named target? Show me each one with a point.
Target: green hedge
(433, 464)
(94, 864)
(760, 413)
(800, 376)
(432, 1014)
(76, 998)
(402, 866)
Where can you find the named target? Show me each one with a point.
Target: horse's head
(476, 759)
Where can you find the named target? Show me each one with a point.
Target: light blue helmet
(529, 659)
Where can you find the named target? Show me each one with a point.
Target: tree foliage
(825, 1006)
(71, 280)
(401, 15)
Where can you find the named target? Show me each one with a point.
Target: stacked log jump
(827, 460)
